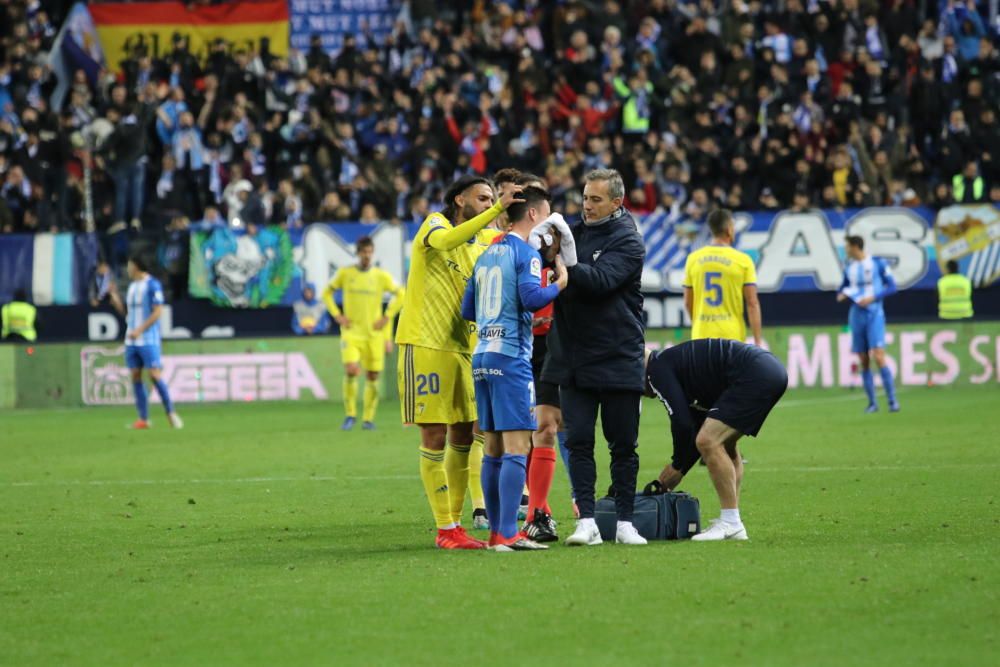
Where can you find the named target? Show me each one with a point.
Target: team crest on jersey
(536, 267)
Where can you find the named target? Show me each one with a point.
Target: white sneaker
(585, 535)
(627, 534)
(720, 530)
(175, 420)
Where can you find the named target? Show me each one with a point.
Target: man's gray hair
(616, 186)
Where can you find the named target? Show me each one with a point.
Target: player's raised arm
(442, 237)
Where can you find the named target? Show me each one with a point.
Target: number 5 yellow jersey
(716, 275)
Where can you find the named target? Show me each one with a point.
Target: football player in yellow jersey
(435, 347)
(363, 327)
(718, 281)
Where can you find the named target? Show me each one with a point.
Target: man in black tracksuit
(596, 352)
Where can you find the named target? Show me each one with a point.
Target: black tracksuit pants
(620, 421)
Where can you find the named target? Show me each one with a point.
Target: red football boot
(452, 538)
(469, 538)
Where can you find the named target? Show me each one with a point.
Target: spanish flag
(124, 26)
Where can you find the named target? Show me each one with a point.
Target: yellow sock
(456, 465)
(476, 467)
(436, 486)
(350, 396)
(371, 400)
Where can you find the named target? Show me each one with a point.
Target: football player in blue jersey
(504, 291)
(144, 303)
(867, 281)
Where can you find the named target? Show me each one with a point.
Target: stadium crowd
(751, 105)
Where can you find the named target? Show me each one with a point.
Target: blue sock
(869, 381)
(161, 389)
(564, 453)
(489, 477)
(512, 475)
(141, 403)
(890, 389)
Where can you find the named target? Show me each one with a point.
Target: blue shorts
(867, 329)
(505, 392)
(142, 356)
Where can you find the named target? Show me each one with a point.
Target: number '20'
(428, 384)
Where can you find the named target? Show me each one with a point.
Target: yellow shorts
(369, 352)
(435, 387)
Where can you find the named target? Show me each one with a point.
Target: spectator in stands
(125, 152)
(965, 27)
(174, 256)
(103, 288)
(16, 193)
(309, 314)
(968, 187)
(252, 210)
(597, 85)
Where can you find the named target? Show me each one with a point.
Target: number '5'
(713, 290)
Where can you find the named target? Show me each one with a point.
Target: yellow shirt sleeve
(450, 237)
(688, 278)
(432, 222)
(331, 287)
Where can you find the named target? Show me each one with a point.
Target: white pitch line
(362, 478)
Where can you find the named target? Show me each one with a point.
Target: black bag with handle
(658, 514)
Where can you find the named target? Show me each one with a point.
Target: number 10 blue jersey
(505, 289)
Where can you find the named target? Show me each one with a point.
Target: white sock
(587, 523)
(731, 517)
(624, 524)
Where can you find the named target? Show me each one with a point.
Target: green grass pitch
(262, 535)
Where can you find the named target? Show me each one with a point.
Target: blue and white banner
(333, 19)
(52, 268)
(77, 46)
(802, 252)
(794, 253)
